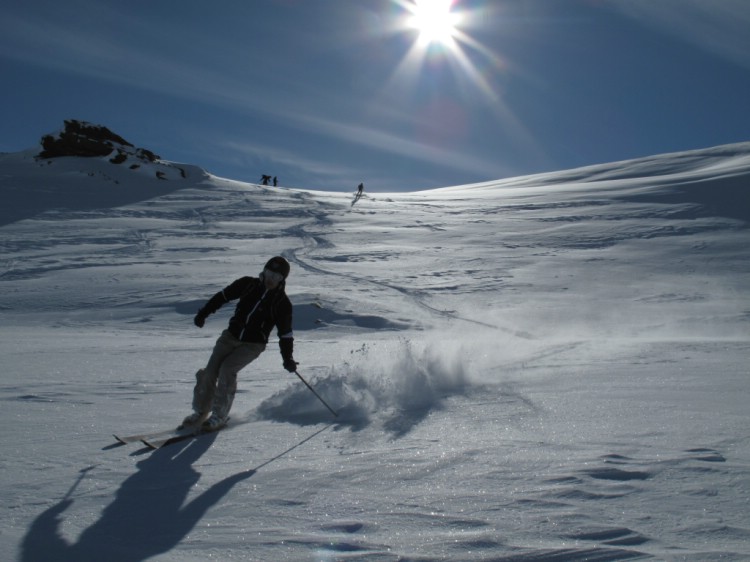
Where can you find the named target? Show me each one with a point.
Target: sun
(442, 42)
(434, 21)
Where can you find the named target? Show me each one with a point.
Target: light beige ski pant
(216, 384)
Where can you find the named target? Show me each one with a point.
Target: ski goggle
(273, 276)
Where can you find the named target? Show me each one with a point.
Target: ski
(157, 442)
(141, 436)
(156, 439)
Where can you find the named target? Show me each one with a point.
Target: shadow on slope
(313, 315)
(148, 516)
(727, 196)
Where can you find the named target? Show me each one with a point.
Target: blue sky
(328, 93)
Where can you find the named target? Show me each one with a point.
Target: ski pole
(316, 394)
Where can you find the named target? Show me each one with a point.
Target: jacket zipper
(247, 319)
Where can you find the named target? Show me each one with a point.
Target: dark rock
(80, 138)
(145, 154)
(119, 158)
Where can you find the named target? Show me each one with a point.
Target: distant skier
(360, 189)
(262, 305)
(275, 181)
(264, 179)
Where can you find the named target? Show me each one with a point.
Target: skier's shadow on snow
(148, 516)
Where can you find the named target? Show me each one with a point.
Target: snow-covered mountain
(552, 367)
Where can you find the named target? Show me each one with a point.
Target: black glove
(290, 364)
(200, 318)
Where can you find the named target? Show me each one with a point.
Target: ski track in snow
(545, 368)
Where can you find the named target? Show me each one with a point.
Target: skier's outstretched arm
(228, 293)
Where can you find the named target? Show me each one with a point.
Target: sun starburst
(434, 21)
(440, 36)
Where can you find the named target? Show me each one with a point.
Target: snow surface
(552, 367)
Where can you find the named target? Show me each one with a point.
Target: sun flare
(439, 31)
(434, 21)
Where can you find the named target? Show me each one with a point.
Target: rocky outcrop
(85, 140)
(80, 138)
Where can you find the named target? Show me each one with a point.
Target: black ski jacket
(257, 312)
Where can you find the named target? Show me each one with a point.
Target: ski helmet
(278, 265)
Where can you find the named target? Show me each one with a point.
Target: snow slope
(551, 367)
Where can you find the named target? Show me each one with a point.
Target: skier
(360, 189)
(262, 305)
